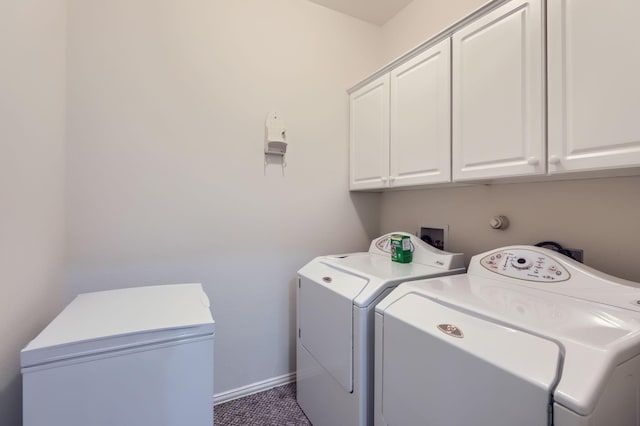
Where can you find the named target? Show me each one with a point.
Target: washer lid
(463, 358)
(594, 337)
(118, 319)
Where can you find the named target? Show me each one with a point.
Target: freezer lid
(118, 319)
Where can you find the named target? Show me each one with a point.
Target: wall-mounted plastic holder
(275, 142)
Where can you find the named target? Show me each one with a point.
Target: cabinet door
(498, 94)
(369, 135)
(594, 85)
(421, 119)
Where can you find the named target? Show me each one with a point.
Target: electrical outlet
(437, 236)
(577, 254)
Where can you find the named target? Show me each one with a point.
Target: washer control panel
(526, 265)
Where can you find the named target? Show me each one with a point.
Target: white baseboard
(264, 385)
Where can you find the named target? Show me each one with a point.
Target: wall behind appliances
(32, 93)
(166, 179)
(599, 216)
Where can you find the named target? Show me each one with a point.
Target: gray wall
(597, 215)
(167, 104)
(32, 123)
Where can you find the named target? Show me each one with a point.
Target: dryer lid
(118, 319)
(325, 272)
(362, 277)
(325, 321)
(422, 252)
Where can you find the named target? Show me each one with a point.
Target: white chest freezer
(527, 337)
(129, 357)
(336, 300)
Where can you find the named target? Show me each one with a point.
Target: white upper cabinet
(518, 88)
(420, 146)
(498, 94)
(594, 84)
(369, 135)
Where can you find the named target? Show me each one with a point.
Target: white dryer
(527, 337)
(335, 306)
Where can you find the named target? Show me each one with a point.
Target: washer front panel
(478, 376)
(526, 265)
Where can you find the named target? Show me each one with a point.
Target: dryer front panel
(325, 310)
(444, 367)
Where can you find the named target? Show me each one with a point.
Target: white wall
(598, 215)
(166, 179)
(32, 85)
(420, 20)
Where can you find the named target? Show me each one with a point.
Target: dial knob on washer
(521, 263)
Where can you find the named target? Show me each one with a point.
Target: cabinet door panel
(594, 89)
(498, 94)
(421, 118)
(369, 135)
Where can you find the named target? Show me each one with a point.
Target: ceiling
(375, 11)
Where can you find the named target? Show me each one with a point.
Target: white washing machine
(527, 337)
(129, 357)
(335, 305)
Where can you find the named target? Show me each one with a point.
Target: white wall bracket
(275, 135)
